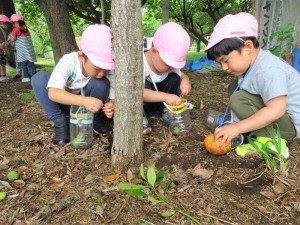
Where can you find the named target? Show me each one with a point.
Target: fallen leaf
(111, 177)
(5, 161)
(129, 175)
(278, 188)
(202, 173)
(268, 194)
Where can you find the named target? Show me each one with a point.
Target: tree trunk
(127, 146)
(102, 12)
(61, 33)
(165, 11)
(198, 45)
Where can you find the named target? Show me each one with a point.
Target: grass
(194, 55)
(42, 64)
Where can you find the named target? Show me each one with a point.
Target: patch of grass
(192, 55)
(42, 64)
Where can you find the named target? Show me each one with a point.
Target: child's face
(89, 69)
(160, 66)
(4, 25)
(235, 63)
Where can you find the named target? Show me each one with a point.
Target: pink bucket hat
(172, 43)
(96, 45)
(4, 19)
(16, 17)
(238, 25)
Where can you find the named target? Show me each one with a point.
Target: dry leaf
(202, 173)
(268, 194)
(278, 188)
(129, 175)
(111, 177)
(5, 161)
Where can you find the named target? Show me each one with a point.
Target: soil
(59, 185)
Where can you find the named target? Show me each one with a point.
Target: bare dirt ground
(61, 186)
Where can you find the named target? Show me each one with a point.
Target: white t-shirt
(156, 78)
(67, 75)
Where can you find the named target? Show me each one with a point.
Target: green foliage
(192, 55)
(149, 190)
(150, 24)
(271, 151)
(27, 95)
(282, 41)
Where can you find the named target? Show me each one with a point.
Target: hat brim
(102, 65)
(172, 63)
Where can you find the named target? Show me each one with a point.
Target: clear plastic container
(214, 119)
(180, 119)
(81, 127)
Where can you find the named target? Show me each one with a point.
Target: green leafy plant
(27, 95)
(271, 150)
(149, 189)
(282, 41)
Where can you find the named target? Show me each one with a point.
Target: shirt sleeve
(111, 78)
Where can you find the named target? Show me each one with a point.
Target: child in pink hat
(25, 54)
(267, 93)
(4, 24)
(90, 70)
(164, 81)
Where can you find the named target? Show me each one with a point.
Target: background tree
(127, 146)
(165, 11)
(7, 7)
(61, 32)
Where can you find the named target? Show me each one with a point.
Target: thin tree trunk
(127, 146)
(165, 11)
(102, 12)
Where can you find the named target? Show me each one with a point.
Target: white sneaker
(4, 79)
(25, 80)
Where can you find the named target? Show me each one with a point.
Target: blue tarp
(198, 64)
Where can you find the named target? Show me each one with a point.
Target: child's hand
(185, 87)
(228, 132)
(93, 104)
(108, 109)
(4, 45)
(173, 99)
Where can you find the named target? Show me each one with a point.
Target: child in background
(24, 47)
(268, 91)
(88, 69)
(4, 23)
(162, 64)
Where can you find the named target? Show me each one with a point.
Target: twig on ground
(118, 213)
(217, 218)
(249, 181)
(258, 212)
(148, 223)
(84, 157)
(286, 193)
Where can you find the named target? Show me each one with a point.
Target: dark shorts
(2, 58)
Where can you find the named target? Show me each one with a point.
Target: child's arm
(66, 98)
(273, 110)
(158, 96)
(185, 85)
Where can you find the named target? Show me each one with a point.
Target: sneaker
(61, 134)
(102, 127)
(18, 76)
(25, 79)
(4, 79)
(165, 117)
(248, 149)
(146, 127)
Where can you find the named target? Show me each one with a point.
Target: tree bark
(102, 12)
(7, 7)
(127, 146)
(165, 11)
(61, 33)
